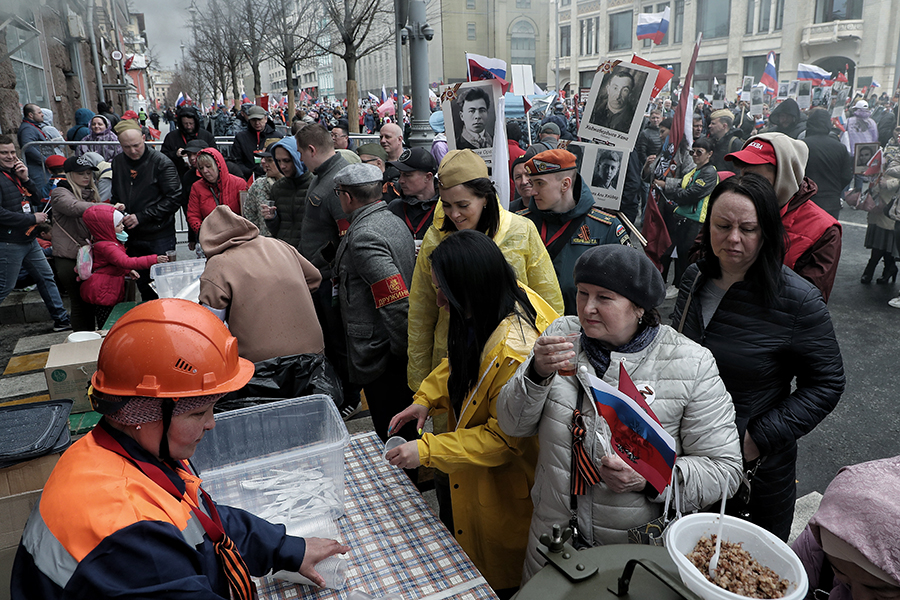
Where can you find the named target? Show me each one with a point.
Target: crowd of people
(404, 270)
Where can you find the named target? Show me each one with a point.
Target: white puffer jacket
(691, 403)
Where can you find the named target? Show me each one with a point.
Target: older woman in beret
(618, 292)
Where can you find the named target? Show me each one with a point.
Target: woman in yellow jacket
(469, 201)
(494, 322)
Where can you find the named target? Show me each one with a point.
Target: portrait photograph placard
(756, 101)
(804, 94)
(793, 89)
(615, 105)
(602, 169)
(470, 116)
(718, 100)
(862, 154)
(746, 87)
(783, 90)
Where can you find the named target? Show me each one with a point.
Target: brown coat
(67, 212)
(263, 284)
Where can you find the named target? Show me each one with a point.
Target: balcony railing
(829, 33)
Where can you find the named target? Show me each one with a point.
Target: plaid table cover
(398, 546)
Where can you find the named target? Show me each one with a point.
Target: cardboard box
(68, 372)
(20, 488)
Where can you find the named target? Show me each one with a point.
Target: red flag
(662, 75)
(679, 127)
(873, 167)
(654, 230)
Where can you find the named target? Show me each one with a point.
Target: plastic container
(332, 569)
(290, 445)
(173, 278)
(682, 536)
(82, 336)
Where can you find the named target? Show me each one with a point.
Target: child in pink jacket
(106, 286)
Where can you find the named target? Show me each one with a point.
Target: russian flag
(407, 104)
(384, 95)
(180, 99)
(482, 67)
(373, 97)
(653, 26)
(770, 76)
(637, 436)
(817, 75)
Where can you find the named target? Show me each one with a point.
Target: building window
(565, 2)
(470, 4)
(620, 31)
(751, 12)
(838, 10)
(586, 42)
(659, 8)
(523, 3)
(706, 72)
(565, 40)
(779, 14)
(522, 44)
(755, 66)
(586, 80)
(713, 17)
(470, 30)
(28, 66)
(678, 22)
(765, 12)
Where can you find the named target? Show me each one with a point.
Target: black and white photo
(615, 106)
(470, 117)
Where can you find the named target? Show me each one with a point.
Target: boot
(869, 271)
(889, 275)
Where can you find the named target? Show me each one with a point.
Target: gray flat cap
(358, 174)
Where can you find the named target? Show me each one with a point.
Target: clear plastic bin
(172, 279)
(295, 447)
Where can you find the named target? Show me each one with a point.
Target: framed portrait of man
(804, 94)
(602, 169)
(783, 90)
(470, 117)
(615, 105)
(862, 154)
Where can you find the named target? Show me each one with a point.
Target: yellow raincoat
(491, 473)
(522, 247)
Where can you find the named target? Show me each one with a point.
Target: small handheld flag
(873, 167)
(770, 75)
(637, 436)
(653, 26)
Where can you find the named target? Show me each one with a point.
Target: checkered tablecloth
(398, 545)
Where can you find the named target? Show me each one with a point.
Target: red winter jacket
(106, 285)
(205, 197)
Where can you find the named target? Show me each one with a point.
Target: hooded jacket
(82, 125)
(829, 165)
(248, 142)
(814, 237)
(861, 128)
(288, 195)
(106, 285)
(177, 138)
(788, 108)
(262, 285)
(523, 249)
(207, 196)
(583, 227)
(68, 224)
(107, 151)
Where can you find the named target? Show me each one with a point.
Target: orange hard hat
(170, 348)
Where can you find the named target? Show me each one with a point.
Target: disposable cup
(392, 443)
(172, 255)
(575, 340)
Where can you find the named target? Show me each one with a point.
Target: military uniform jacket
(374, 266)
(568, 235)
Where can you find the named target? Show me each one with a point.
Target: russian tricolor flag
(653, 26)
(637, 436)
(482, 67)
(817, 75)
(770, 76)
(180, 99)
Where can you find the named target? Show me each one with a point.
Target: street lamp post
(420, 33)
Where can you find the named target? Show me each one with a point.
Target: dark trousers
(329, 314)
(81, 313)
(388, 395)
(143, 248)
(685, 233)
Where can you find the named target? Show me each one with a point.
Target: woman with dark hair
(494, 321)
(691, 194)
(769, 329)
(468, 200)
(617, 331)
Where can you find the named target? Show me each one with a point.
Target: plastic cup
(172, 255)
(82, 336)
(393, 442)
(575, 340)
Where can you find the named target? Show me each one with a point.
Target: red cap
(755, 152)
(55, 161)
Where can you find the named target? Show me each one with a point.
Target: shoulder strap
(687, 303)
(826, 580)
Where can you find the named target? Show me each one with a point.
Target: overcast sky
(168, 25)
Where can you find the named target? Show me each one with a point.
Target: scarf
(599, 355)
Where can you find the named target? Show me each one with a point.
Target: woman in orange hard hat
(123, 513)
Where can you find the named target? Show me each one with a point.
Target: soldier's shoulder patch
(389, 290)
(700, 182)
(602, 216)
(524, 212)
(620, 229)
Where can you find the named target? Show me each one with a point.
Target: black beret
(624, 270)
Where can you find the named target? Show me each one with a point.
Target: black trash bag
(286, 377)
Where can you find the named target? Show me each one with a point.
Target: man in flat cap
(725, 136)
(374, 154)
(562, 209)
(374, 267)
